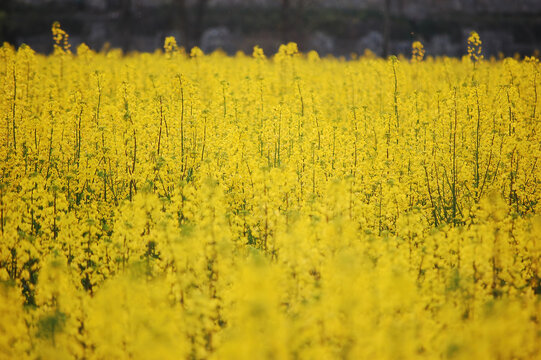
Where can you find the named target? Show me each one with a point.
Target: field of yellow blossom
(178, 205)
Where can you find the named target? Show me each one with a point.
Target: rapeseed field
(181, 205)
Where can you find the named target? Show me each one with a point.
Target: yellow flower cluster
(210, 207)
(60, 37)
(417, 51)
(474, 47)
(170, 46)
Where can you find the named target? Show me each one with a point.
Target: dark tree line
(6, 8)
(188, 17)
(191, 20)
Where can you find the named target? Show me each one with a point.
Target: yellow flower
(417, 51)
(474, 47)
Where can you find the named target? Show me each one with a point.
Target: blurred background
(338, 27)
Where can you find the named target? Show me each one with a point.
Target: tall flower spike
(60, 38)
(170, 46)
(417, 51)
(474, 47)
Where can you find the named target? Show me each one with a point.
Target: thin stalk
(181, 119)
(161, 124)
(395, 97)
(13, 108)
(454, 181)
(477, 142)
